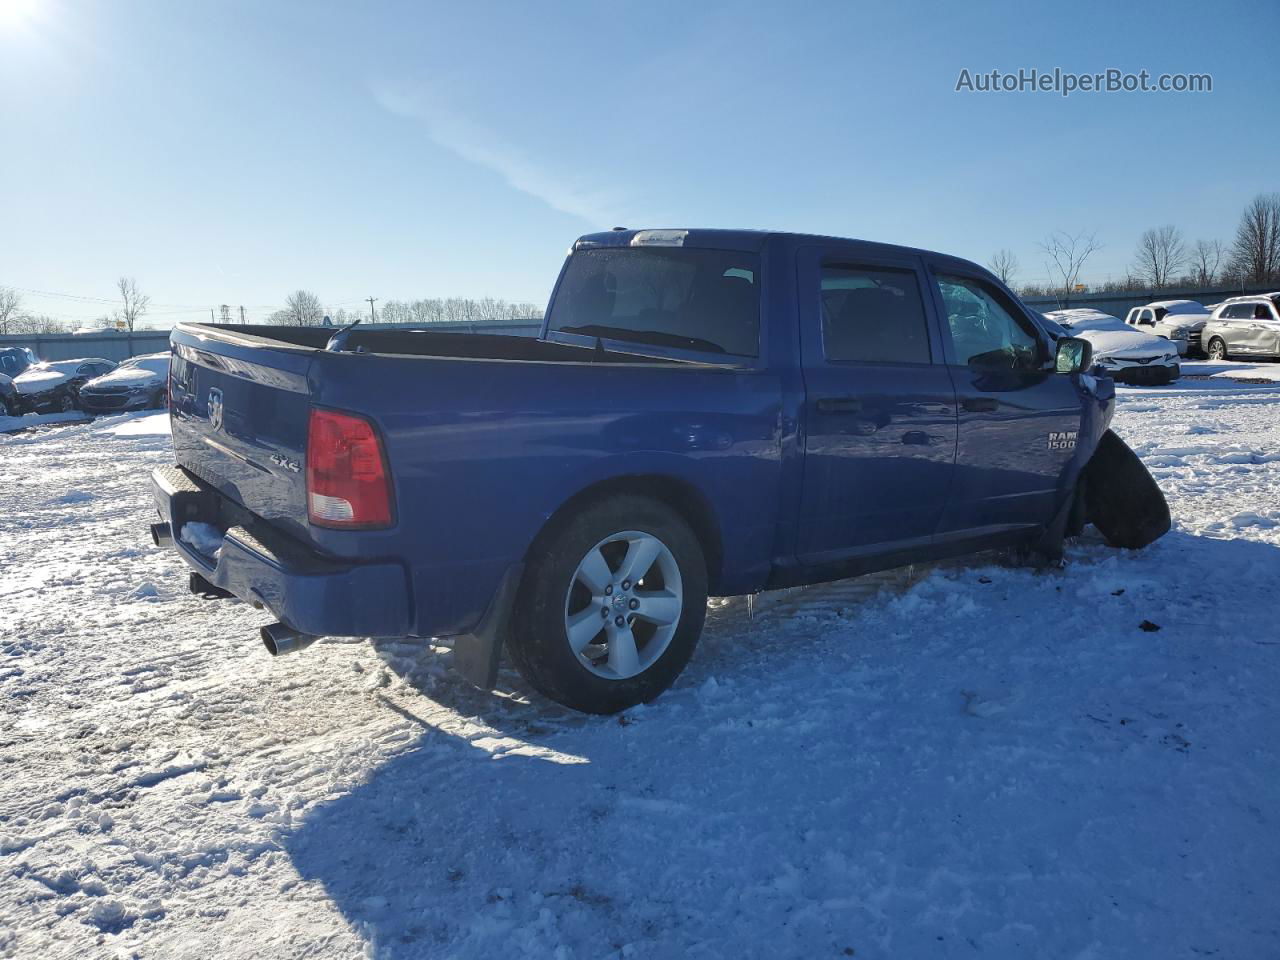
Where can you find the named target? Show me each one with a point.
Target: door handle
(839, 404)
(981, 404)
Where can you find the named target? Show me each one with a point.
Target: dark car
(137, 384)
(8, 396)
(13, 360)
(54, 387)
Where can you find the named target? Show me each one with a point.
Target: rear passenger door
(1234, 327)
(1018, 419)
(880, 412)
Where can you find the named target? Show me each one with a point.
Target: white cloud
(559, 190)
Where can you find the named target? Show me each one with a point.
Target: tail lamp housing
(348, 483)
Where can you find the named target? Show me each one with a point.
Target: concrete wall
(108, 346)
(122, 346)
(1118, 304)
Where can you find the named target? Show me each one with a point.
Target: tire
(1217, 350)
(66, 403)
(1121, 497)
(605, 673)
(4, 408)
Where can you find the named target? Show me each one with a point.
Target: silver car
(1244, 327)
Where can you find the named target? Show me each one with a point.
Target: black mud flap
(477, 655)
(1121, 498)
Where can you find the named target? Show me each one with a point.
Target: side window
(984, 331)
(873, 315)
(84, 368)
(1260, 312)
(1236, 311)
(1145, 318)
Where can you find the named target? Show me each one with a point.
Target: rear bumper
(258, 564)
(49, 402)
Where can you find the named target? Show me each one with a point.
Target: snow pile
(149, 425)
(959, 760)
(204, 538)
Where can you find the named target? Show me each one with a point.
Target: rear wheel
(66, 403)
(4, 408)
(1217, 349)
(611, 606)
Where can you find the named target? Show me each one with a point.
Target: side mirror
(1074, 355)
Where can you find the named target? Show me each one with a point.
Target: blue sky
(232, 152)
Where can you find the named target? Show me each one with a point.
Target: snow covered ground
(959, 761)
(32, 420)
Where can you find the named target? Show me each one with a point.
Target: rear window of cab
(681, 297)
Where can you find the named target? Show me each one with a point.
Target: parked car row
(91, 384)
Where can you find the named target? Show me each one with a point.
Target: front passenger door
(1018, 419)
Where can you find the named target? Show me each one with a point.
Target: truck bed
(485, 437)
(421, 342)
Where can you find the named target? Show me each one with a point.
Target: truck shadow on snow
(719, 816)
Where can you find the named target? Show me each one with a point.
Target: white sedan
(1126, 355)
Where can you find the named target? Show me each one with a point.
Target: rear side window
(1237, 311)
(873, 315)
(682, 297)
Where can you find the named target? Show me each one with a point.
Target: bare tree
(1160, 255)
(1005, 266)
(1206, 257)
(301, 309)
(10, 303)
(134, 302)
(1255, 254)
(1067, 254)
(29, 324)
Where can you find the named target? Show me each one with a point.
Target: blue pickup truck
(706, 412)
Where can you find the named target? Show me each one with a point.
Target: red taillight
(347, 481)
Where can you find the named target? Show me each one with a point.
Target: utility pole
(372, 316)
(211, 320)
(242, 314)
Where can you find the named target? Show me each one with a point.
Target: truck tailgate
(239, 408)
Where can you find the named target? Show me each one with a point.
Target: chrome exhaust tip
(280, 638)
(161, 535)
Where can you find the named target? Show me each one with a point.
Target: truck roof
(753, 240)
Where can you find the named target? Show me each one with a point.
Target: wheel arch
(690, 503)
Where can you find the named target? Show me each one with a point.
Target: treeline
(304, 309)
(1164, 258)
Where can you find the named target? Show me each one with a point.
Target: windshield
(705, 300)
